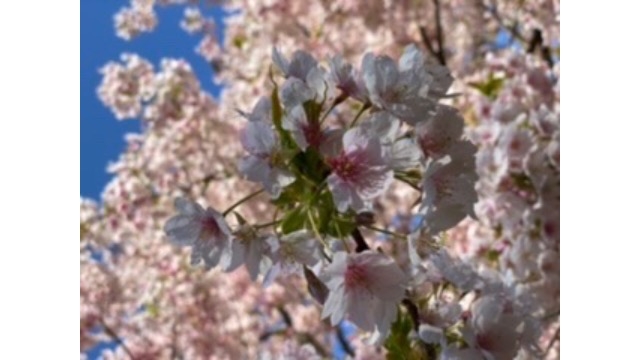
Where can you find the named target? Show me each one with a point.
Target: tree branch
(536, 41)
(361, 245)
(439, 34)
(427, 43)
(556, 337)
(113, 335)
(344, 342)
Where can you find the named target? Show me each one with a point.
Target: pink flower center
(485, 341)
(355, 276)
(346, 166)
(210, 228)
(313, 135)
(443, 186)
(432, 146)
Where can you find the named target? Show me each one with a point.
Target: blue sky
(101, 135)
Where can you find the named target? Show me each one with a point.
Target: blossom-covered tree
(383, 164)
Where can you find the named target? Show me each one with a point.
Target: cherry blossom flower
(403, 89)
(193, 20)
(402, 153)
(367, 287)
(203, 230)
(449, 186)
(359, 173)
(124, 88)
(301, 64)
(291, 252)
(263, 164)
(250, 248)
(438, 135)
(184, 148)
(132, 21)
(347, 79)
(496, 329)
(310, 134)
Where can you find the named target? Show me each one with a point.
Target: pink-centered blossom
(406, 90)
(449, 189)
(250, 248)
(402, 153)
(367, 287)
(359, 172)
(291, 252)
(347, 79)
(439, 134)
(310, 134)
(264, 164)
(204, 230)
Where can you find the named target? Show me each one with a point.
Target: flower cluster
(323, 178)
(326, 181)
(518, 135)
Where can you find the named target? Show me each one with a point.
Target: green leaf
(276, 114)
(290, 195)
(240, 219)
(239, 41)
(313, 111)
(330, 221)
(490, 88)
(522, 181)
(311, 165)
(398, 344)
(153, 309)
(340, 227)
(293, 220)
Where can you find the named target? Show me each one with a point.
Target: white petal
(182, 230)
(258, 138)
(187, 207)
(279, 60)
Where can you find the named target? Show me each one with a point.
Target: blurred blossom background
(163, 86)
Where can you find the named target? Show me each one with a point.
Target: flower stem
(394, 234)
(239, 202)
(362, 110)
(336, 102)
(260, 226)
(315, 228)
(406, 181)
(361, 245)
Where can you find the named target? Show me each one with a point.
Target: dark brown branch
(361, 245)
(536, 41)
(439, 34)
(554, 339)
(303, 337)
(285, 316)
(513, 29)
(413, 312)
(344, 342)
(113, 335)
(427, 43)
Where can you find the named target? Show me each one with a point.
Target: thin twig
(536, 40)
(344, 342)
(388, 232)
(413, 312)
(239, 202)
(439, 34)
(116, 338)
(427, 43)
(361, 245)
(556, 337)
